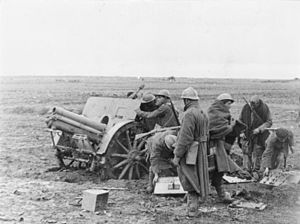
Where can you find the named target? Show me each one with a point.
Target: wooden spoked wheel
(125, 155)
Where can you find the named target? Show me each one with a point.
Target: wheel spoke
(137, 171)
(130, 172)
(141, 144)
(123, 147)
(142, 165)
(120, 164)
(124, 171)
(128, 140)
(119, 155)
(134, 144)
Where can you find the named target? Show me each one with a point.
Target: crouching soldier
(277, 149)
(160, 147)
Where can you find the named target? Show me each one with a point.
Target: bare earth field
(31, 194)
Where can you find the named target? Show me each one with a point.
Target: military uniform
(164, 115)
(260, 120)
(194, 178)
(219, 127)
(277, 149)
(160, 158)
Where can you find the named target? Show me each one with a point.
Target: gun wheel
(125, 155)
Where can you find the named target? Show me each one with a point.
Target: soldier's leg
(246, 160)
(150, 186)
(192, 203)
(257, 156)
(280, 161)
(217, 178)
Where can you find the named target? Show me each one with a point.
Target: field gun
(107, 137)
(102, 138)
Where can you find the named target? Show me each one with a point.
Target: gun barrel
(60, 125)
(76, 124)
(79, 118)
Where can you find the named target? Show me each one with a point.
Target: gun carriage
(102, 138)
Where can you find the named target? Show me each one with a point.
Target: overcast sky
(246, 39)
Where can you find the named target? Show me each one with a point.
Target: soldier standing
(219, 127)
(193, 175)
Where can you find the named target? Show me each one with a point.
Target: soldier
(165, 113)
(148, 104)
(277, 149)
(193, 174)
(219, 127)
(160, 147)
(257, 117)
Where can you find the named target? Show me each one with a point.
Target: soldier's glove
(155, 179)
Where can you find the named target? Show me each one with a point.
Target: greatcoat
(194, 178)
(219, 127)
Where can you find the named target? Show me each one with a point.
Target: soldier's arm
(186, 135)
(268, 123)
(154, 157)
(156, 113)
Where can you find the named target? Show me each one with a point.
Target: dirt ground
(29, 193)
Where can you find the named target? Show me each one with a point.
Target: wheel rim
(125, 155)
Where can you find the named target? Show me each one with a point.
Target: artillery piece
(103, 137)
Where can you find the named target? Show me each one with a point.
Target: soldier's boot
(224, 197)
(150, 186)
(192, 209)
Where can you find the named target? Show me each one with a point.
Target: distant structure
(171, 79)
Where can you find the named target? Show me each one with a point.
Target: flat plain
(31, 194)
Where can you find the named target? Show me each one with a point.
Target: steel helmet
(190, 93)
(170, 141)
(225, 96)
(147, 98)
(164, 93)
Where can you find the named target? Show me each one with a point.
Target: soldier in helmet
(160, 146)
(277, 148)
(219, 127)
(193, 174)
(148, 104)
(165, 114)
(257, 117)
